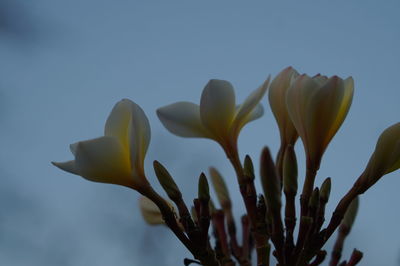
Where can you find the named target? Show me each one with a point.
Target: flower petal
(72, 148)
(277, 101)
(150, 212)
(139, 137)
(343, 106)
(256, 113)
(118, 121)
(104, 160)
(249, 104)
(68, 166)
(322, 112)
(297, 98)
(217, 107)
(183, 119)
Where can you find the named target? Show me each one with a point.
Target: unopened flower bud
(350, 215)
(386, 157)
(325, 191)
(204, 190)
(290, 171)
(166, 181)
(270, 181)
(248, 168)
(220, 188)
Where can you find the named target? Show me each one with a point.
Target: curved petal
(68, 166)
(139, 137)
(217, 107)
(104, 160)
(320, 79)
(343, 107)
(256, 113)
(277, 101)
(297, 100)
(250, 103)
(183, 119)
(325, 114)
(118, 121)
(322, 112)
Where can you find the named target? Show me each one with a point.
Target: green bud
(248, 168)
(351, 213)
(166, 181)
(386, 157)
(204, 190)
(220, 188)
(325, 191)
(314, 200)
(290, 170)
(270, 181)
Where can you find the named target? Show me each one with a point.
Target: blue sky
(64, 64)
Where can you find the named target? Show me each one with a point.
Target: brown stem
(338, 247)
(168, 215)
(290, 223)
(304, 200)
(184, 215)
(218, 219)
(358, 188)
(355, 258)
(341, 208)
(246, 237)
(279, 160)
(236, 250)
(249, 195)
(205, 256)
(319, 258)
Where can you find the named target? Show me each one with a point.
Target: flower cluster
(310, 107)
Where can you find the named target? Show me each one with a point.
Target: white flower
(118, 156)
(317, 107)
(217, 117)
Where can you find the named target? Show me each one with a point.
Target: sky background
(64, 64)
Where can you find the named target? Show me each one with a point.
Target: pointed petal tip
(68, 166)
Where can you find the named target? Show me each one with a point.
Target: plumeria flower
(118, 156)
(318, 107)
(386, 157)
(277, 100)
(217, 117)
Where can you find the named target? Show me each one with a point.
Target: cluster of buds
(312, 108)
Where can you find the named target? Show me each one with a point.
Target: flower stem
(249, 195)
(304, 200)
(206, 256)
